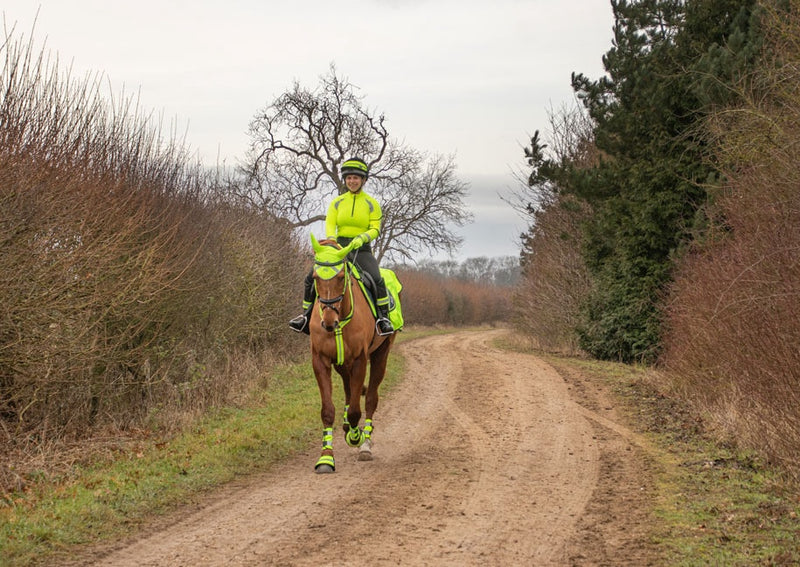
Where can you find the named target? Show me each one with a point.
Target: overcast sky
(473, 78)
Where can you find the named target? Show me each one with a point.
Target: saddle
(393, 288)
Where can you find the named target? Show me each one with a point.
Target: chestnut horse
(343, 336)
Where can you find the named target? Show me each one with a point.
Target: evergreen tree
(671, 61)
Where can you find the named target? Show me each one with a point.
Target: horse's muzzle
(330, 313)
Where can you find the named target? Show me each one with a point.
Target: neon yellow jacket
(354, 214)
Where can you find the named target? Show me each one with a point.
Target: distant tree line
(503, 271)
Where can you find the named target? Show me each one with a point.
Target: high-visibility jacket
(354, 214)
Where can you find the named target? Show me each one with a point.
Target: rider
(353, 216)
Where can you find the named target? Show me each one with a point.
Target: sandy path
(482, 457)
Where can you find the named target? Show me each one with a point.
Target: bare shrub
(734, 314)
(555, 280)
(133, 288)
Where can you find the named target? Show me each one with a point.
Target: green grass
(99, 501)
(109, 498)
(721, 507)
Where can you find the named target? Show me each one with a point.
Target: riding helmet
(355, 166)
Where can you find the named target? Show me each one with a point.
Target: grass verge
(108, 498)
(715, 505)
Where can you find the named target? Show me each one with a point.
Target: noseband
(330, 303)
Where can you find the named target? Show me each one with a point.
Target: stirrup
(380, 323)
(299, 324)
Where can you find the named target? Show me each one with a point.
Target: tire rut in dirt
(480, 458)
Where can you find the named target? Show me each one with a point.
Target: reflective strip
(339, 345)
(327, 438)
(327, 272)
(354, 163)
(326, 460)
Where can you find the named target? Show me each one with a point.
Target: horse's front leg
(357, 371)
(322, 371)
(377, 370)
(344, 372)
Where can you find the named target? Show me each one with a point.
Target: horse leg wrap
(368, 429)
(325, 460)
(327, 445)
(354, 437)
(345, 423)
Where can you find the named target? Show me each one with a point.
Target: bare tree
(571, 141)
(298, 143)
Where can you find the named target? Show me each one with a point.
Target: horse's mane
(330, 242)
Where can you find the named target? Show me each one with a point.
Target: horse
(343, 337)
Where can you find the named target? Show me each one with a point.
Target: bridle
(326, 270)
(330, 303)
(334, 303)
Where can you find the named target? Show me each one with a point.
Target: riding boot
(383, 324)
(300, 323)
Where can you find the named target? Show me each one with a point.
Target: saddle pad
(393, 287)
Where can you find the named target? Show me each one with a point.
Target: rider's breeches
(366, 262)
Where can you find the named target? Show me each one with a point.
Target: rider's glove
(358, 241)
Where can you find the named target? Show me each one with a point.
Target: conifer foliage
(670, 64)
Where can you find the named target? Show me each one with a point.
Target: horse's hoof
(365, 451)
(325, 464)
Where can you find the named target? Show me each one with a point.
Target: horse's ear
(315, 244)
(344, 251)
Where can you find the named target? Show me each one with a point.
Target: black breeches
(366, 262)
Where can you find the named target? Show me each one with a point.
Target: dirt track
(482, 457)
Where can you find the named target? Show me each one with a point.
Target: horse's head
(331, 280)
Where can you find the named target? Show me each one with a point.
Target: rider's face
(354, 182)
